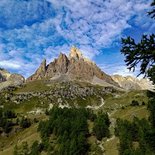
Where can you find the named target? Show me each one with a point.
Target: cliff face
(74, 67)
(132, 83)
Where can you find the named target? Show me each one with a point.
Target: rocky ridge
(7, 79)
(59, 93)
(73, 67)
(132, 83)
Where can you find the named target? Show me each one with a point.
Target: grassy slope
(30, 135)
(111, 146)
(125, 98)
(131, 112)
(39, 85)
(127, 112)
(112, 104)
(7, 143)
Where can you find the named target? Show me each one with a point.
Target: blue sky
(31, 30)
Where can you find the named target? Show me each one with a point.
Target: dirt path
(96, 107)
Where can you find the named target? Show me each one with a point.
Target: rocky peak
(75, 53)
(40, 72)
(62, 63)
(8, 79)
(133, 83)
(74, 67)
(42, 67)
(62, 58)
(2, 78)
(4, 74)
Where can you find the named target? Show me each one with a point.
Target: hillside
(34, 98)
(68, 97)
(73, 67)
(8, 79)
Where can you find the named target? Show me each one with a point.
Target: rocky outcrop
(132, 83)
(74, 67)
(75, 53)
(7, 79)
(58, 66)
(40, 72)
(60, 93)
(2, 79)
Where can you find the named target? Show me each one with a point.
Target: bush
(9, 114)
(135, 103)
(25, 122)
(143, 103)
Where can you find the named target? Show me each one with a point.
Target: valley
(61, 102)
(33, 99)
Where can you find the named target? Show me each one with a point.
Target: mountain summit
(75, 53)
(73, 67)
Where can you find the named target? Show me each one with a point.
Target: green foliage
(101, 126)
(135, 103)
(152, 12)
(151, 107)
(142, 53)
(151, 73)
(9, 114)
(22, 150)
(70, 128)
(8, 126)
(35, 148)
(139, 131)
(15, 152)
(5, 123)
(25, 122)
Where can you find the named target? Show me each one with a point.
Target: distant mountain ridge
(73, 67)
(133, 83)
(7, 79)
(77, 67)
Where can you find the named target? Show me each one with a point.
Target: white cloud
(120, 69)
(33, 34)
(9, 64)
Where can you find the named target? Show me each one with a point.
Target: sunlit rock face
(132, 83)
(73, 67)
(7, 79)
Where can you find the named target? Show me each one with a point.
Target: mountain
(132, 83)
(73, 67)
(67, 87)
(7, 79)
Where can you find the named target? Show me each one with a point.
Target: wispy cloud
(9, 64)
(36, 29)
(120, 69)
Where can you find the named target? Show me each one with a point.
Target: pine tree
(142, 53)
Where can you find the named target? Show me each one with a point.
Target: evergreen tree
(101, 126)
(142, 53)
(152, 12)
(25, 148)
(35, 149)
(15, 152)
(25, 122)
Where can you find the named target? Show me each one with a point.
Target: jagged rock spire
(62, 63)
(75, 53)
(40, 72)
(76, 67)
(42, 67)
